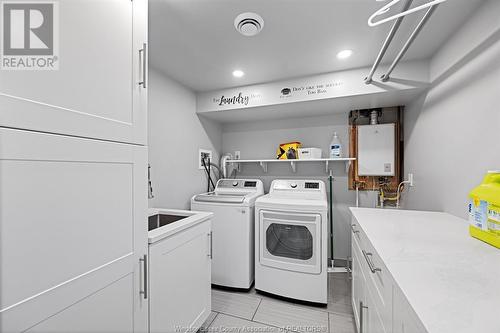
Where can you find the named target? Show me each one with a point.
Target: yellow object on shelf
(288, 151)
(484, 210)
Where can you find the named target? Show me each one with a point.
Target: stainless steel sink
(160, 220)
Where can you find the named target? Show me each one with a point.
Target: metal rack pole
(330, 180)
(408, 43)
(387, 42)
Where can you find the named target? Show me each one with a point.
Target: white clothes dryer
(291, 241)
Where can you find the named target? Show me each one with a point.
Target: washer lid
(235, 198)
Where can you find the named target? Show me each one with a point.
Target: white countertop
(451, 280)
(192, 218)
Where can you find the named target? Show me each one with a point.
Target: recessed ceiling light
(238, 73)
(344, 54)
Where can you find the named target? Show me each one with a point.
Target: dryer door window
(289, 241)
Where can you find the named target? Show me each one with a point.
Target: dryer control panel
(298, 186)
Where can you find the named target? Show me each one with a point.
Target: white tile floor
(254, 312)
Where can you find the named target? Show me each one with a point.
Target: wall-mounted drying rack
(293, 163)
(398, 18)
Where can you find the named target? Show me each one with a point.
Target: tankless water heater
(376, 150)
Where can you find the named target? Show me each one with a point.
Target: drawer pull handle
(354, 231)
(210, 239)
(372, 267)
(361, 308)
(144, 261)
(143, 53)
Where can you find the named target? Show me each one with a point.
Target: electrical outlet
(204, 154)
(410, 180)
(237, 155)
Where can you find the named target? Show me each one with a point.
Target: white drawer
(378, 280)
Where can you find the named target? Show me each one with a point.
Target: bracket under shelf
(264, 166)
(264, 163)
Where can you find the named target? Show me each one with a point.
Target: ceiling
(195, 43)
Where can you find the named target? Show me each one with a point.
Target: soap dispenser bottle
(335, 147)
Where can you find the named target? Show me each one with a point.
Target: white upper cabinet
(95, 93)
(140, 75)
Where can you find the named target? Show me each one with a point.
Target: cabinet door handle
(361, 307)
(372, 267)
(144, 261)
(143, 55)
(354, 231)
(210, 242)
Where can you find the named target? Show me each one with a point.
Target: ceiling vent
(248, 24)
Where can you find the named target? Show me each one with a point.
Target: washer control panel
(247, 184)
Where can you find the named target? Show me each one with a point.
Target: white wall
(452, 132)
(481, 28)
(175, 135)
(260, 140)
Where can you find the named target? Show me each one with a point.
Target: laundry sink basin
(164, 222)
(160, 220)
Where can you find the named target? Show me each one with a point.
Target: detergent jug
(484, 210)
(335, 147)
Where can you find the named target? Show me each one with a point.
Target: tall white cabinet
(73, 178)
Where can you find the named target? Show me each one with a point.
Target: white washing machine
(291, 226)
(233, 240)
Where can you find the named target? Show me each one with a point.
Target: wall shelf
(293, 163)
